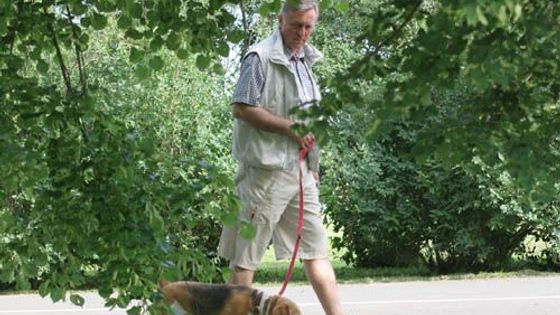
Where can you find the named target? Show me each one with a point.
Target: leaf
(124, 22)
(156, 43)
(136, 55)
(135, 10)
(142, 72)
(6, 220)
(229, 218)
(502, 14)
(223, 49)
(57, 294)
(481, 17)
(182, 54)
(105, 292)
(426, 98)
(7, 273)
(218, 69)
(136, 310)
(133, 33)
(44, 289)
(157, 222)
(173, 42)
(326, 4)
(85, 21)
(36, 53)
(470, 11)
(77, 299)
(105, 6)
(236, 36)
(42, 66)
(98, 21)
(264, 9)
(84, 40)
(202, 62)
(248, 231)
(275, 6)
(88, 175)
(22, 282)
(343, 6)
(518, 11)
(78, 8)
(156, 63)
(294, 3)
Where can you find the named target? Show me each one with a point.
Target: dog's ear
(271, 305)
(163, 283)
(282, 306)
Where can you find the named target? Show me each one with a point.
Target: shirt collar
(290, 56)
(281, 55)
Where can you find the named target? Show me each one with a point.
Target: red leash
(302, 154)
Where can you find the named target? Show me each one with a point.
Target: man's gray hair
(299, 5)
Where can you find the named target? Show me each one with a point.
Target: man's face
(296, 28)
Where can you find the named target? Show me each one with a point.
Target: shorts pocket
(258, 185)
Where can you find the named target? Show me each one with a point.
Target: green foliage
(111, 182)
(116, 160)
(421, 168)
(394, 211)
(501, 53)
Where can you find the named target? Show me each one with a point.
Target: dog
(194, 298)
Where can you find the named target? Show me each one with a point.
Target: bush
(395, 210)
(118, 188)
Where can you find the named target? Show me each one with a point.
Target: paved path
(510, 296)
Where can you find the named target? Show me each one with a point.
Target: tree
(95, 193)
(497, 58)
(439, 84)
(88, 195)
(99, 189)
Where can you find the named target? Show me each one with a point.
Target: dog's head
(278, 305)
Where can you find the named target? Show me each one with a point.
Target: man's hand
(316, 177)
(260, 118)
(304, 142)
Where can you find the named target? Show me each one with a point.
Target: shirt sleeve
(250, 85)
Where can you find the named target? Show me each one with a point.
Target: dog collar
(178, 309)
(261, 303)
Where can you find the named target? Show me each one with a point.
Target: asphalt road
(509, 296)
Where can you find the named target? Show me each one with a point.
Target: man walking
(275, 77)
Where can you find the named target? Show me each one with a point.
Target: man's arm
(262, 119)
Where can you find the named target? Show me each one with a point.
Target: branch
(10, 38)
(355, 67)
(63, 68)
(79, 54)
(398, 30)
(245, 29)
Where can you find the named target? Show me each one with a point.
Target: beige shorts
(271, 204)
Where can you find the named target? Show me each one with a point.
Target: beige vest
(266, 149)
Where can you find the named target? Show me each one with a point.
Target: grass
(272, 272)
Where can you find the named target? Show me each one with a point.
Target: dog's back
(209, 299)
